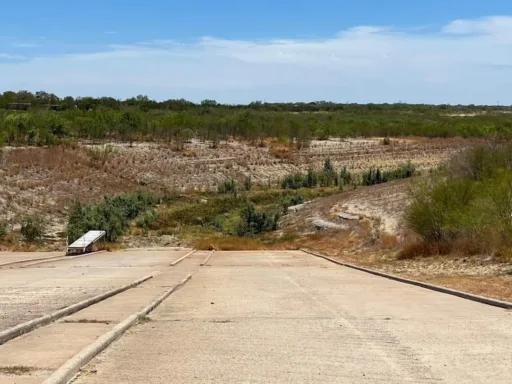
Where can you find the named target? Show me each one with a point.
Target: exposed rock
(324, 224)
(296, 208)
(348, 216)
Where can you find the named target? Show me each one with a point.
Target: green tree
(129, 125)
(33, 228)
(329, 176)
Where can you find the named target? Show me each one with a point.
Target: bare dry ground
(47, 180)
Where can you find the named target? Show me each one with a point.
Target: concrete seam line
(181, 258)
(71, 367)
(437, 288)
(29, 264)
(29, 326)
(52, 258)
(207, 259)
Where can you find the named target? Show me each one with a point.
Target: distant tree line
(43, 118)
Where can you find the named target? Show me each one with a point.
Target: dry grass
(467, 274)
(424, 249)
(282, 151)
(229, 244)
(462, 246)
(188, 153)
(111, 247)
(17, 370)
(387, 241)
(232, 243)
(87, 321)
(503, 255)
(145, 319)
(498, 287)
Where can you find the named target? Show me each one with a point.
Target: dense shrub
(33, 228)
(198, 214)
(481, 162)
(470, 209)
(439, 210)
(295, 181)
(377, 176)
(253, 222)
(146, 220)
(327, 177)
(112, 215)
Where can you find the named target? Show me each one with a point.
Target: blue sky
(236, 51)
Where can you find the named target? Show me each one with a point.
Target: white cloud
(496, 25)
(25, 45)
(8, 56)
(466, 61)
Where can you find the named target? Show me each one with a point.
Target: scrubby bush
(227, 187)
(470, 209)
(100, 155)
(294, 181)
(112, 215)
(481, 162)
(145, 220)
(377, 176)
(253, 222)
(311, 179)
(440, 210)
(198, 214)
(328, 175)
(248, 183)
(3, 230)
(345, 177)
(33, 228)
(290, 201)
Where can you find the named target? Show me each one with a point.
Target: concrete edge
(50, 258)
(30, 325)
(68, 370)
(207, 259)
(176, 262)
(437, 288)
(60, 259)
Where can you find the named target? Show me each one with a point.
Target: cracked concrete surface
(27, 293)
(287, 317)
